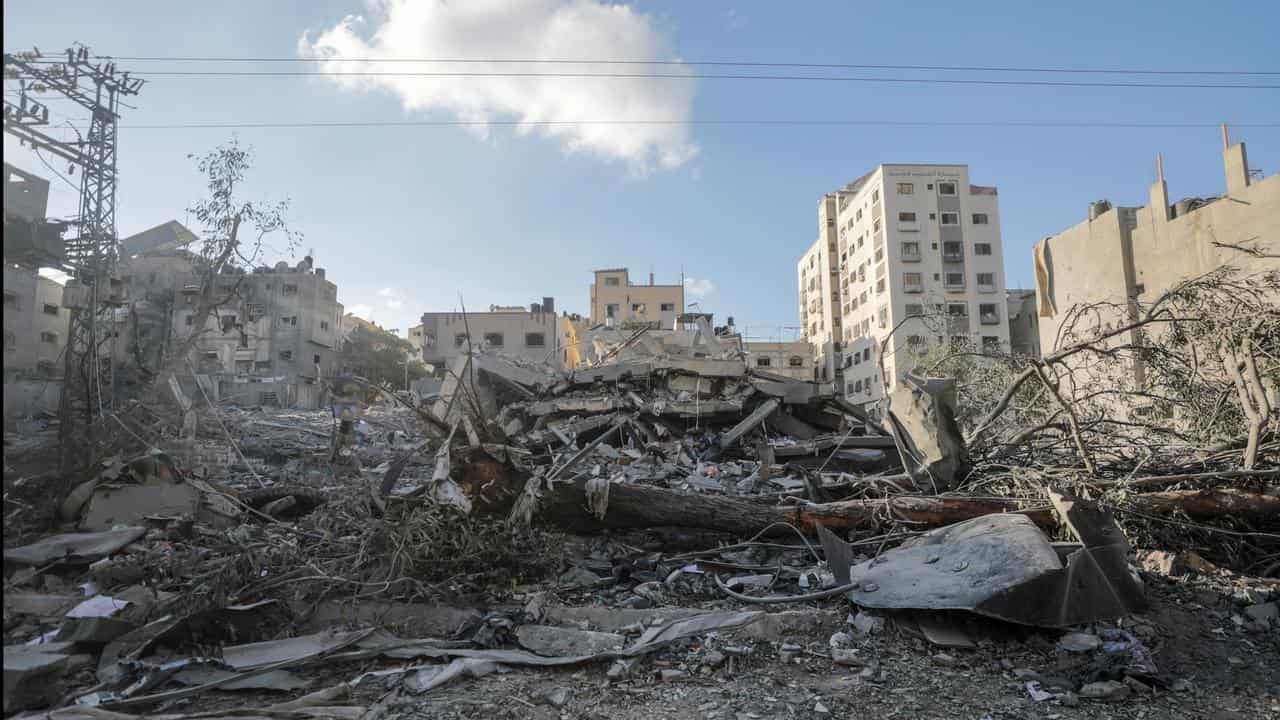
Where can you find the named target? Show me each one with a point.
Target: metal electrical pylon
(87, 389)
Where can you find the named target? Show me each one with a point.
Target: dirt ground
(1211, 664)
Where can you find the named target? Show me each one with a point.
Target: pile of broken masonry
(648, 516)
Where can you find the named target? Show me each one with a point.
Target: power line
(220, 74)
(234, 125)
(700, 63)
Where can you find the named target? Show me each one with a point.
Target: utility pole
(88, 376)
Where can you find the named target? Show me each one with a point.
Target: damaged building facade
(912, 247)
(534, 333)
(35, 319)
(272, 339)
(616, 301)
(1132, 255)
(793, 359)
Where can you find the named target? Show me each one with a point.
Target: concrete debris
(922, 420)
(1106, 690)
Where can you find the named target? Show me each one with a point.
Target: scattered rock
(1079, 642)
(789, 652)
(713, 658)
(32, 677)
(1069, 699)
(560, 642)
(1180, 685)
(944, 659)
(868, 624)
(840, 640)
(621, 669)
(1106, 690)
(846, 656)
(821, 709)
(1138, 686)
(671, 675)
(557, 698)
(1264, 612)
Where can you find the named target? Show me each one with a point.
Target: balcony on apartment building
(952, 252)
(910, 252)
(988, 315)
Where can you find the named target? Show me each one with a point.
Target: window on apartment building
(535, 340)
(914, 309)
(879, 254)
(190, 319)
(950, 218)
(288, 289)
(979, 218)
(954, 280)
(988, 314)
(638, 308)
(857, 386)
(762, 362)
(875, 195)
(324, 325)
(315, 359)
(959, 342)
(982, 248)
(858, 214)
(50, 309)
(493, 339)
(611, 310)
(910, 251)
(957, 310)
(612, 281)
(912, 282)
(880, 286)
(11, 300)
(946, 188)
(862, 272)
(915, 342)
(49, 337)
(987, 280)
(906, 188)
(882, 317)
(861, 239)
(228, 323)
(262, 366)
(189, 298)
(952, 251)
(289, 320)
(990, 343)
(286, 355)
(460, 339)
(795, 361)
(857, 358)
(875, 226)
(906, 217)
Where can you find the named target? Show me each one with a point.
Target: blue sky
(406, 218)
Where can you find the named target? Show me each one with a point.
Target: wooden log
(640, 506)
(1210, 503)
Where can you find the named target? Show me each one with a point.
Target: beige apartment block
(1024, 322)
(535, 334)
(908, 250)
(1123, 254)
(616, 302)
(793, 359)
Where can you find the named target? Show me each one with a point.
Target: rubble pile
(640, 520)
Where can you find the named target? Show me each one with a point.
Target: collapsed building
(271, 340)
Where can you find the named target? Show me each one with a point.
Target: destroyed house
(534, 334)
(271, 339)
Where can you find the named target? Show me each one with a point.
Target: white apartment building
(914, 246)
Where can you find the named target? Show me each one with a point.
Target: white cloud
(698, 287)
(523, 29)
(361, 311)
(391, 298)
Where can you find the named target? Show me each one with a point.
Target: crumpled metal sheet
(1003, 566)
(958, 567)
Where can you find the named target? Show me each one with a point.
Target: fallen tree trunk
(642, 506)
(1210, 503)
